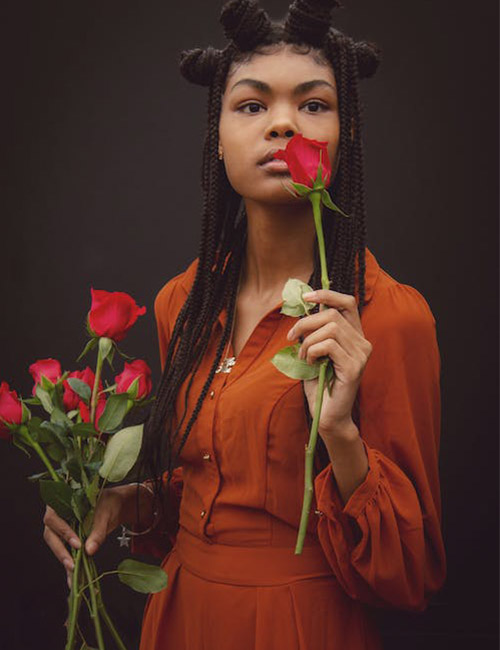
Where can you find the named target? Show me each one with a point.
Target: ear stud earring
(221, 155)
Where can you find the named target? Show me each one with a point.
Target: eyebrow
(298, 90)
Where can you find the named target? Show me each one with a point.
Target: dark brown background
(101, 147)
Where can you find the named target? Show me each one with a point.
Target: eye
(240, 108)
(322, 106)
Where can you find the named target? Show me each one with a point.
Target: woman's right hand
(111, 507)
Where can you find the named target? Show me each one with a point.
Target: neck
(280, 245)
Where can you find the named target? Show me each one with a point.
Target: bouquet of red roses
(80, 438)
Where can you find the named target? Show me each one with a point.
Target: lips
(269, 156)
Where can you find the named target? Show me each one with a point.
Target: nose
(281, 125)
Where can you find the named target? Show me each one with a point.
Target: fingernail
(90, 547)
(290, 334)
(68, 580)
(75, 542)
(309, 294)
(69, 564)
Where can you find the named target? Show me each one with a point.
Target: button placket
(209, 457)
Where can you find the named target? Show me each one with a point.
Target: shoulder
(396, 310)
(173, 293)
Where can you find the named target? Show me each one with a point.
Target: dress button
(212, 393)
(203, 513)
(206, 457)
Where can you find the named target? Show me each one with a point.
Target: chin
(271, 192)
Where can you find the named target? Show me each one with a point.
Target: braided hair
(307, 29)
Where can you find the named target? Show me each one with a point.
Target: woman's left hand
(335, 332)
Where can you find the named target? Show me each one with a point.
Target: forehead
(283, 66)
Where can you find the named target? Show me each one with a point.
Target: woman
(227, 431)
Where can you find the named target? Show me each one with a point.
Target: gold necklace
(228, 362)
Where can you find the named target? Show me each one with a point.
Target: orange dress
(233, 578)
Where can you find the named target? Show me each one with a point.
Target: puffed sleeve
(160, 540)
(385, 544)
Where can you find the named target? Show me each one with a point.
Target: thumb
(97, 534)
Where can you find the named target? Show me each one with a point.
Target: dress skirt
(222, 597)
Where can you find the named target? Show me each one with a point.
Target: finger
(331, 330)
(60, 527)
(332, 349)
(58, 547)
(314, 321)
(68, 579)
(344, 302)
(99, 531)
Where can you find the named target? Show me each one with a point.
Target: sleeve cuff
(328, 496)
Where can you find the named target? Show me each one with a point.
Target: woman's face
(265, 103)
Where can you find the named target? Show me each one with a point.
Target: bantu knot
(309, 20)
(245, 23)
(368, 56)
(199, 66)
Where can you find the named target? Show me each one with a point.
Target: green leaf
(37, 477)
(81, 388)
(92, 489)
(105, 346)
(56, 452)
(35, 429)
(110, 358)
(123, 355)
(32, 401)
(44, 398)
(287, 362)
(142, 577)
(114, 412)
(58, 417)
(80, 504)
(133, 389)
(90, 345)
(45, 383)
(21, 446)
(58, 434)
(57, 495)
(326, 199)
(302, 190)
(121, 453)
(293, 302)
(84, 429)
(72, 465)
(330, 378)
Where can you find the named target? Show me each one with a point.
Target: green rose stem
(74, 600)
(315, 198)
(25, 432)
(94, 609)
(95, 388)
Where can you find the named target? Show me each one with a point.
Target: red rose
(137, 368)
(11, 409)
(50, 368)
(302, 156)
(85, 412)
(113, 313)
(72, 399)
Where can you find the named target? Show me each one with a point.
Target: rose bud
(11, 409)
(137, 369)
(49, 368)
(85, 411)
(72, 399)
(112, 314)
(302, 156)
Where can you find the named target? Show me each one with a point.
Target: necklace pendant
(226, 364)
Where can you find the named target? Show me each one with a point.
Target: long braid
(224, 224)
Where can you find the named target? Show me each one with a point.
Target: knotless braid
(224, 222)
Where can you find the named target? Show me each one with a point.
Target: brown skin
(115, 506)
(281, 234)
(280, 245)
